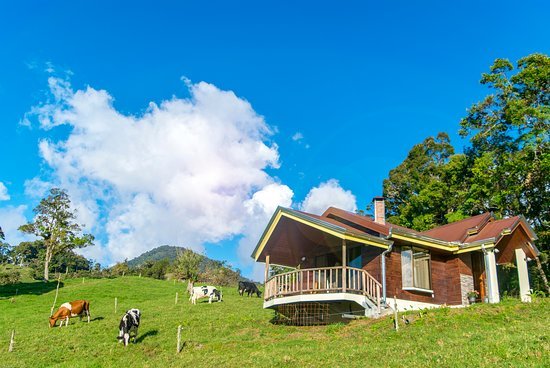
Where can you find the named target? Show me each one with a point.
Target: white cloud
(298, 136)
(327, 194)
(260, 207)
(4, 196)
(186, 172)
(11, 217)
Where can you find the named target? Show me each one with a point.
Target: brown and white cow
(75, 308)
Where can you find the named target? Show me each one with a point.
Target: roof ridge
(457, 222)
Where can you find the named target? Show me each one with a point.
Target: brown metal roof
(493, 229)
(330, 220)
(362, 221)
(458, 231)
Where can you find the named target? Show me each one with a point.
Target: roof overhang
(282, 215)
(318, 224)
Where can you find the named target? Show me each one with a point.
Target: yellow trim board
(337, 234)
(451, 248)
(267, 235)
(477, 247)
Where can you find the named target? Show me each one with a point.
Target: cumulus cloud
(259, 209)
(4, 196)
(11, 217)
(185, 172)
(327, 194)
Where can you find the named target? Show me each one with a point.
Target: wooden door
(478, 270)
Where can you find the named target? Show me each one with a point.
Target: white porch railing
(324, 280)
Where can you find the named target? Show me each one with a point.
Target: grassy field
(237, 332)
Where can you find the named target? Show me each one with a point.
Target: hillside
(156, 254)
(237, 332)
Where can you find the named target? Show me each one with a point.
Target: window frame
(413, 286)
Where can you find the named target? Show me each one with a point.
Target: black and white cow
(210, 292)
(248, 288)
(129, 325)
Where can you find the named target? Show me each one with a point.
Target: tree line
(58, 235)
(505, 169)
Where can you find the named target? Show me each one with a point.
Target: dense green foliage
(54, 224)
(32, 254)
(156, 254)
(238, 332)
(180, 263)
(187, 265)
(506, 169)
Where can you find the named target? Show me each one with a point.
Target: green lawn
(237, 332)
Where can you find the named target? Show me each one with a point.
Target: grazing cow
(79, 308)
(248, 288)
(209, 292)
(128, 327)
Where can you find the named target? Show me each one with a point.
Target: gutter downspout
(383, 260)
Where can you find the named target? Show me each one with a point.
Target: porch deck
(309, 282)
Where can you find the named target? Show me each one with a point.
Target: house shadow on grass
(28, 288)
(147, 334)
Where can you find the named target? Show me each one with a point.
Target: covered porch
(325, 259)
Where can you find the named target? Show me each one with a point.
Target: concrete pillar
(491, 276)
(523, 275)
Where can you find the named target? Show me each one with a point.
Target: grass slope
(237, 332)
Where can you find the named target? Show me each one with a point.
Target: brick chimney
(379, 210)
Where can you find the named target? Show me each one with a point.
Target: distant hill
(162, 252)
(171, 252)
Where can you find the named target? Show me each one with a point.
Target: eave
(326, 227)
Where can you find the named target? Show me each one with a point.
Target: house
(343, 263)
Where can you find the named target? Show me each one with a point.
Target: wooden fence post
(178, 347)
(176, 298)
(12, 341)
(56, 293)
(116, 302)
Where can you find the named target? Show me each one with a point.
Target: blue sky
(337, 91)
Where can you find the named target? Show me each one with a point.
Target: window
(415, 268)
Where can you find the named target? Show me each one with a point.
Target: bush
(10, 277)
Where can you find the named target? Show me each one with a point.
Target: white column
(523, 275)
(491, 276)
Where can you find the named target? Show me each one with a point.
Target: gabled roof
(363, 221)
(470, 234)
(326, 225)
(458, 231)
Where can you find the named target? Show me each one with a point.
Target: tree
(507, 165)
(187, 265)
(5, 248)
(415, 192)
(121, 268)
(510, 135)
(55, 225)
